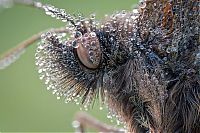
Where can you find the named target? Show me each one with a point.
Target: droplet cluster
(58, 13)
(129, 60)
(63, 73)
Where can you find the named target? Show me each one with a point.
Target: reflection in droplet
(75, 44)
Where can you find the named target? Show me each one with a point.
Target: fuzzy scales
(147, 64)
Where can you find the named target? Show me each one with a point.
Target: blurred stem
(31, 40)
(86, 120)
(7, 58)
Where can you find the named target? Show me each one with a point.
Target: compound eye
(89, 52)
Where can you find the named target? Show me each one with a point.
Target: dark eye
(89, 52)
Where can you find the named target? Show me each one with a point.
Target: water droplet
(91, 53)
(93, 34)
(118, 122)
(48, 13)
(91, 58)
(54, 92)
(101, 108)
(70, 27)
(143, 5)
(53, 15)
(41, 77)
(85, 107)
(75, 44)
(40, 47)
(92, 16)
(78, 34)
(63, 19)
(66, 101)
(109, 116)
(40, 71)
(76, 124)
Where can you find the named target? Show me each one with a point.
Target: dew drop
(40, 71)
(75, 44)
(76, 124)
(53, 15)
(48, 13)
(41, 77)
(66, 101)
(70, 27)
(93, 34)
(91, 58)
(69, 99)
(54, 92)
(118, 122)
(91, 53)
(48, 88)
(109, 116)
(125, 127)
(63, 34)
(143, 5)
(38, 4)
(78, 34)
(74, 94)
(64, 20)
(101, 108)
(92, 16)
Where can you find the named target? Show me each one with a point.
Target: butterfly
(144, 64)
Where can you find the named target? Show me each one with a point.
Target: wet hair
(144, 64)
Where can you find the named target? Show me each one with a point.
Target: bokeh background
(25, 104)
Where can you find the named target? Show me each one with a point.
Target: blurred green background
(25, 104)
